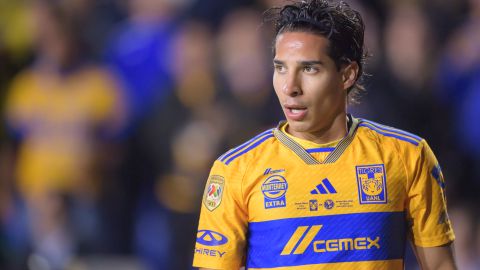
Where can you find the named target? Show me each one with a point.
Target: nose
(292, 85)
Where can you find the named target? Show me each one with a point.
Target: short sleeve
(222, 229)
(20, 103)
(426, 203)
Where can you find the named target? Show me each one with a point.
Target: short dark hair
(336, 21)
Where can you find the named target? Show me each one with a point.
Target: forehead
(304, 43)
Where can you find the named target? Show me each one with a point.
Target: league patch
(212, 196)
(274, 190)
(372, 186)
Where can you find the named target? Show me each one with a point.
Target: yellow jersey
(273, 202)
(57, 117)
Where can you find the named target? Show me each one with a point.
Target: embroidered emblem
(214, 192)
(372, 186)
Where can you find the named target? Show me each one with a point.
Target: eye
(280, 68)
(310, 69)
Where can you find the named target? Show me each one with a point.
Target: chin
(299, 127)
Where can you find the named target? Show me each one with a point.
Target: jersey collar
(307, 157)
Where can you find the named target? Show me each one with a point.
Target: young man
(323, 190)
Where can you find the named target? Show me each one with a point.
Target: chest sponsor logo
(270, 171)
(212, 196)
(304, 237)
(372, 187)
(274, 191)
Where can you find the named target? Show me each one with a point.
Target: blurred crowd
(114, 110)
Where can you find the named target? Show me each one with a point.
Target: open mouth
(296, 110)
(296, 113)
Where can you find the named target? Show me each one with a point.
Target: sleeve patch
(212, 197)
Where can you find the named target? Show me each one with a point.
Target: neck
(335, 130)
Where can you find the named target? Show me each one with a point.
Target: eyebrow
(304, 63)
(311, 63)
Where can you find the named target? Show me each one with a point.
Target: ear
(349, 75)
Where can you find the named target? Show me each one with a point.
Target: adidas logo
(324, 188)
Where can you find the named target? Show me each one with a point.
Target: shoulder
(95, 72)
(247, 151)
(385, 133)
(22, 86)
(98, 81)
(26, 76)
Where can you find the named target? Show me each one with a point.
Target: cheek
(277, 85)
(324, 89)
(318, 87)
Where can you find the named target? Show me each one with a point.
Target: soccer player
(323, 190)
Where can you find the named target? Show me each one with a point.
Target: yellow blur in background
(113, 112)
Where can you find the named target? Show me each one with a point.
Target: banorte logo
(211, 238)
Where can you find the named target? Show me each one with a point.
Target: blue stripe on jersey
(326, 239)
(391, 129)
(329, 186)
(258, 142)
(240, 147)
(389, 134)
(321, 189)
(320, 150)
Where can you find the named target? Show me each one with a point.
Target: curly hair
(338, 22)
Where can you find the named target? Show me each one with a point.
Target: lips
(295, 112)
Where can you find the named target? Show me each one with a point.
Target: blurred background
(114, 110)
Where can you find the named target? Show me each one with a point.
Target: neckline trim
(352, 124)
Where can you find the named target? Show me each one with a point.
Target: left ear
(349, 75)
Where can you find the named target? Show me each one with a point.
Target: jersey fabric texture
(274, 203)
